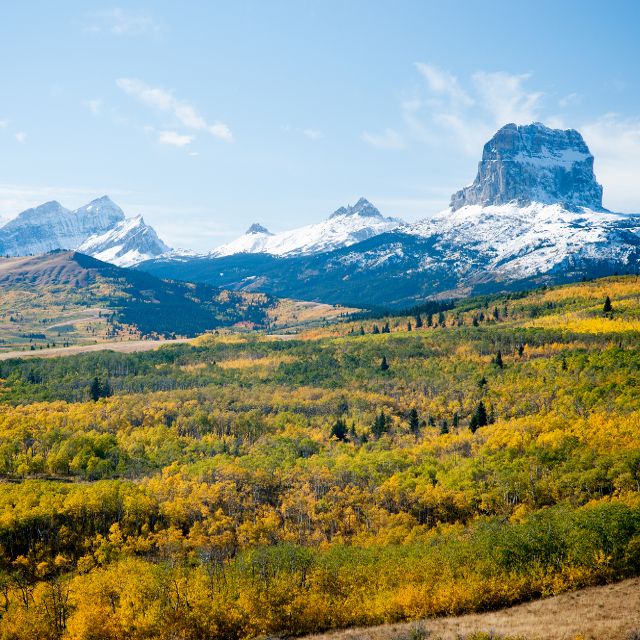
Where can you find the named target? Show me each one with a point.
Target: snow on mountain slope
(346, 226)
(131, 241)
(513, 242)
(51, 226)
(99, 229)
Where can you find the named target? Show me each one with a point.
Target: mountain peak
(361, 208)
(257, 228)
(533, 163)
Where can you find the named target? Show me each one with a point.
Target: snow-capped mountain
(533, 163)
(532, 215)
(131, 241)
(51, 226)
(99, 229)
(346, 226)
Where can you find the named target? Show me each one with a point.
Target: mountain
(129, 242)
(346, 226)
(51, 226)
(533, 215)
(99, 227)
(66, 296)
(532, 163)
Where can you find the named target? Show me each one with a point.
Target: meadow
(377, 470)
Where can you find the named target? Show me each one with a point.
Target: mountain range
(533, 215)
(99, 229)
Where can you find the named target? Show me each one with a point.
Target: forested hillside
(385, 469)
(67, 298)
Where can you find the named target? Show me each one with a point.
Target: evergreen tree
(380, 425)
(418, 321)
(444, 427)
(564, 363)
(430, 320)
(409, 327)
(456, 420)
(339, 430)
(475, 322)
(414, 421)
(384, 365)
(441, 319)
(521, 350)
(479, 418)
(498, 360)
(376, 330)
(385, 328)
(361, 330)
(607, 308)
(482, 383)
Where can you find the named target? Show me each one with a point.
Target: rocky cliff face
(533, 163)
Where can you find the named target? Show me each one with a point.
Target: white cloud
(163, 100)
(21, 137)
(94, 106)
(505, 99)
(122, 22)
(312, 134)
(388, 139)
(174, 138)
(569, 100)
(443, 83)
(615, 144)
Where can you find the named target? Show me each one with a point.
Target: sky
(208, 116)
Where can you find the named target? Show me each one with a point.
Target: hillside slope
(70, 298)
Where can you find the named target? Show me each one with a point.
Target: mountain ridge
(520, 224)
(99, 228)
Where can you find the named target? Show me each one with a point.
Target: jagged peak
(361, 208)
(256, 228)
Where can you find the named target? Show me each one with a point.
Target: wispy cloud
(95, 105)
(21, 137)
(174, 138)
(123, 22)
(4, 124)
(388, 139)
(615, 144)
(446, 110)
(164, 101)
(312, 134)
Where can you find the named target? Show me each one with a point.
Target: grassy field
(425, 466)
(610, 612)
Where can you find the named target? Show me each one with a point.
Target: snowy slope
(51, 226)
(99, 229)
(131, 241)
(346, 226)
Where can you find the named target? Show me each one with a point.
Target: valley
(379, 469)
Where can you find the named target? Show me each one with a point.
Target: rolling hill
(66, 297)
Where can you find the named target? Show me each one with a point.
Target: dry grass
(126, 346)
(611, 612)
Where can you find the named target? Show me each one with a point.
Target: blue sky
(208, 116)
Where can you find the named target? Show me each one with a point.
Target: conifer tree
(607, 308)
(409, 327)
(479, 418)
(376, 330)
(414, 421)
(339, 430)
(418, 321)
(444, 427)
(384, 365)
(498, 360)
